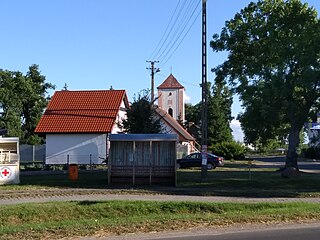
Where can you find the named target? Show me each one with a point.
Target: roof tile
(170, 83)
(81, 111)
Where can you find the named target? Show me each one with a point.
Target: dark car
(195, 160)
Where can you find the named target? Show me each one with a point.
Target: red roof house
(76, 124)
(82, 112)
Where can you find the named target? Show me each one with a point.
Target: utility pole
(204, 102)
(153, 71)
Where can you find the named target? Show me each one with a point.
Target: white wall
(120, 116)
(77, 146)
(172, 98)
(169, 130)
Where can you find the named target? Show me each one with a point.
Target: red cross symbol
(5, 172)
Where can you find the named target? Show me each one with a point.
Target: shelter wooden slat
(142, 159)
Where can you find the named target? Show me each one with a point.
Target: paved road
(309, 231)
(279, 161)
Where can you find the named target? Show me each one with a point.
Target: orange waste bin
(73, 172)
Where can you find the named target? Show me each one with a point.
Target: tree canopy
(219, 113)
(273, 64)
(141, 116)
(22, 101)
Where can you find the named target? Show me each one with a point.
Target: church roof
(170, 83)
(170, 121)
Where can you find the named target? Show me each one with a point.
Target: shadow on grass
(229, 183)
(86, 179)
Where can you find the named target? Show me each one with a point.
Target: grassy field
(234, 179)
(66, 219)
(71, 219)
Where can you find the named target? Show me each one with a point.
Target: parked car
(195, 160)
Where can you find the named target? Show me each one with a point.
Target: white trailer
(9, 160)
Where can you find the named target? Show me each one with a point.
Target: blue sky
(95, 44)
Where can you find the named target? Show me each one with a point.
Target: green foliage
(22, 101)
(229, 150)
(269, 145)
(273, 64)
(193, 115)
(141, 117)
(219, 114)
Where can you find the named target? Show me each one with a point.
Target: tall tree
(141, 116)
(193, 116)
(219, 113)
(22, 100)
(273, 63)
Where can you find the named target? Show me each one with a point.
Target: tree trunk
(292, 155)
(291, 169)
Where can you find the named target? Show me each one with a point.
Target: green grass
(234, 179)
(86, 179)
(63, 219)
(257, 184)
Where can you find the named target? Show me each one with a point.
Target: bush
(229, 150)
(311, 152)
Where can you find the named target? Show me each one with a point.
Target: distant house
(314, 132)
(76, 125)
(171, 126)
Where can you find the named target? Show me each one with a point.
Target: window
(170, 111)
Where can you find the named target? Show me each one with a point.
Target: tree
(219, 114)
(141, 116)
(273, 64)
(193, 113)
(22, 101)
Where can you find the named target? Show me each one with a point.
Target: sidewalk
(160, 197)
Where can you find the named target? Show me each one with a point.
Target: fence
(34, 156)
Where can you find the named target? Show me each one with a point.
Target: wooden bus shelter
(142, 159)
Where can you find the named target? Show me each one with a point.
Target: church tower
(171, 98)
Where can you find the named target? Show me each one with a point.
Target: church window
(170, 111)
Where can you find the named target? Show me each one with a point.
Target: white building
(171, 110)
(76, 125)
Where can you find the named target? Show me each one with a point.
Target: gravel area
(106, 195)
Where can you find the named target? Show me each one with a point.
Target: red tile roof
(82, 111)
(170, 83)
(182, 133)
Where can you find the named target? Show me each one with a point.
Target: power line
(175, 10)
(176, 31)
(172, 27)
(168, 58)
(179, 29)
